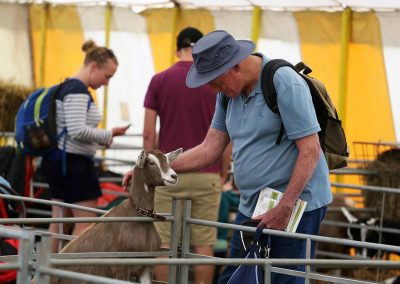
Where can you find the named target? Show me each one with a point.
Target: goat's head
(361, 234)
(155, 168)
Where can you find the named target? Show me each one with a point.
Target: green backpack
(331, 137)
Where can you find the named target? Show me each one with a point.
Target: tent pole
(343, 70)
(175, 12)
(108, 16)
(107, 27)
(344, 55)
(256, 25)
(43, 36)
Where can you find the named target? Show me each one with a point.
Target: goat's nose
(174, 176)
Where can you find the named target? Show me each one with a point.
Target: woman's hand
(119, 131)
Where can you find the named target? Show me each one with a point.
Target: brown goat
(152, 169)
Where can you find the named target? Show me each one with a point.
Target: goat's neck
(141, 194)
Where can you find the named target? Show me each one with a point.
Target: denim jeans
(281, 247)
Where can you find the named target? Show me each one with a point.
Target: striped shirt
(77, 112)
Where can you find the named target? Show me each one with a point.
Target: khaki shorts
(204, 189)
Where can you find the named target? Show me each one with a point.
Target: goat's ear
(141, 159)
(350, 217)
(174, 154)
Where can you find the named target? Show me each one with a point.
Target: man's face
(229, 83)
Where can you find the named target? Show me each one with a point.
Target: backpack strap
(268, 87)
(64, 132)
(269, 91)
(225, 101)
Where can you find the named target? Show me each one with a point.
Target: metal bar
(9, 266)
(40, 232)
(335, 279)
(316, 276)
(367, 187)
(25, 250)
(12, 134)
(358, 226)
(43, 259)
(81, 276)
(338, 255)
(267, 273)
(379, 254)
(101, 179)
(359, 210)
(55, 203)
(79, 220)
(296, 235)
(10, 233)
(226, 261)
(88, 255)
(308, 256)
(187, 209)
(38, 212)
(352, 171)
(173, 270)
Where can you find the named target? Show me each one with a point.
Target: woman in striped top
(80, 116)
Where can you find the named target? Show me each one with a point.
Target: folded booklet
(269, 198)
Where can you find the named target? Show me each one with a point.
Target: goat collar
(149, 213)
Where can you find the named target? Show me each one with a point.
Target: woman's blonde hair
(98, 54)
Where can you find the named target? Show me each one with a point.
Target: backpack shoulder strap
(267, 82)
(268, 88)
(225, 101)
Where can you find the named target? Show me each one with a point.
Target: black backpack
(331, 137)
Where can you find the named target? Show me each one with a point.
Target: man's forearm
(149, 142)
(304, 168)
(203, 155)
(192, 160)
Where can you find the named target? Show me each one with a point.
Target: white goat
(152, 169)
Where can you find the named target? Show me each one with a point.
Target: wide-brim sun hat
(214, 54)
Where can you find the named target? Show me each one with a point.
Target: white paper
(269, 198)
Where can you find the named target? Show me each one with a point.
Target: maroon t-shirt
(185, 114)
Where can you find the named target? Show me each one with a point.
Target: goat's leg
(147, 276)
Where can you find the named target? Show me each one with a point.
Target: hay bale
(11, 97)
(387, 168)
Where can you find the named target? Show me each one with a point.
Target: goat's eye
(151, 163)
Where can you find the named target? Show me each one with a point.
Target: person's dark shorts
(80, 183)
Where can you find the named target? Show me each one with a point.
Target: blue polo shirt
(253, 129)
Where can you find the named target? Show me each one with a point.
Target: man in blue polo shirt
(296, 166)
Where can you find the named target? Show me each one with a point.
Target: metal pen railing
(42, 262)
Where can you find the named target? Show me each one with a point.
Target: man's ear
(174, 154)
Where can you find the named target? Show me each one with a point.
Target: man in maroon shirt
(185, 117)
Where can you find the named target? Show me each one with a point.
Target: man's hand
(127, 179)
(277, 218)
